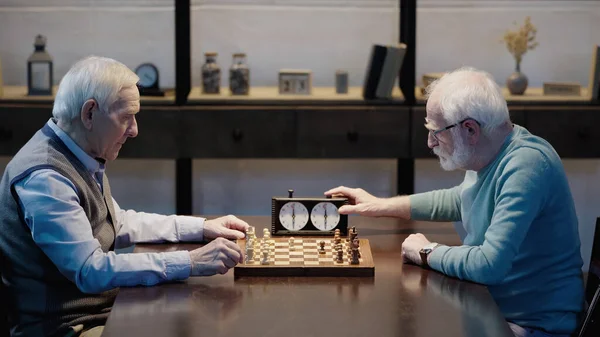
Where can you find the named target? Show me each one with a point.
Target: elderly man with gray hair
(514, 203)
(59, 225)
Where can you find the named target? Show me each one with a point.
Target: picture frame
(295, 82)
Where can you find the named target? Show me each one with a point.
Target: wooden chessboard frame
(366, 268)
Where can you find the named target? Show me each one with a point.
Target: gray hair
(93, 77)
(471, 93)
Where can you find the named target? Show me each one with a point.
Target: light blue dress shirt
(60, 227)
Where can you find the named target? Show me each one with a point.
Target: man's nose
(431, 141)
(133, 129)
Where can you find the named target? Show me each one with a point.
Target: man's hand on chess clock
(229, 227)
(216, 257)
(363, 203)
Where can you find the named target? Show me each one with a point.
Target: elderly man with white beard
(514, 203)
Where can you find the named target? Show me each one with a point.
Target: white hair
(93, 77)
(470, 93)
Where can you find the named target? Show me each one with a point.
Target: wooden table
(401, 300)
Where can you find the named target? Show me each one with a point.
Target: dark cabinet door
(157, 134)
(353, 133)
(572, 131)
(419, 134)
(19, 124)
(236, 132)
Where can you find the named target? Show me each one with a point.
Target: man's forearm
(104, 271)
(397, 207)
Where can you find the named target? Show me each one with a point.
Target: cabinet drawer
(362, 133)
(239, 133)
(419, 134)
(157, 134)
(19, 124)
(572, 132)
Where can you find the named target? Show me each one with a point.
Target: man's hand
(217, 257)
(361, 202)
(228, 227)
(412, 246)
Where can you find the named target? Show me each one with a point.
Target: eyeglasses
(434, 133)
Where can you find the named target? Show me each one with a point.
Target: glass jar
(239, 75)
(211, 74)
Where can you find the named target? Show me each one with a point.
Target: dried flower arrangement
(520, 41)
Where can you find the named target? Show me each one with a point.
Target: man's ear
(87, 112)
(473, 131)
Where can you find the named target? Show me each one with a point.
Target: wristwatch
(425, 251)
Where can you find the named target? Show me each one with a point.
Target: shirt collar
(91, 164)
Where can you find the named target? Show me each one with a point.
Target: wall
(319, 35)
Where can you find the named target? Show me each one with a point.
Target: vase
(517, 82)
(211, 74)
(239, 75)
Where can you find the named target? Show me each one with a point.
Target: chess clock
(307, 216)
(148, 83)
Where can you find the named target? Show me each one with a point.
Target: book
(383, 70)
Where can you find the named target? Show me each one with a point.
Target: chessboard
(305, 257)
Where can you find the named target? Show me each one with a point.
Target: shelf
(270, 95)
(531, 96)
(18, 94)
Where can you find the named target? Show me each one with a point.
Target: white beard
(460, 157)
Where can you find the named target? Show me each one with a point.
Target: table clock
(149, 78)
(307, 216)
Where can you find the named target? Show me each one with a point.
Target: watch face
(324, 216)
(293, 216)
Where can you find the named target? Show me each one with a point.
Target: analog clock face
(325, 216)
(148, 75)
(293, 216)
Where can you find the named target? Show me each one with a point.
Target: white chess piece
(265, 254)
(249, 254)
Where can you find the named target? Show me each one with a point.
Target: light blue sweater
(522, 234)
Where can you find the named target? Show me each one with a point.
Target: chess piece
(356, 245)
(291, 244)
(322, 247)
(265, 255)
(337, 240)
(339, 256)
(249, 254)
(353, 233)
(355, 256)
(337, 232)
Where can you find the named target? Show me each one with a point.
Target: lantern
(39, 69)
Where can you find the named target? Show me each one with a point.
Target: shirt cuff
(189, 228)
(178, 265)
(435, 258)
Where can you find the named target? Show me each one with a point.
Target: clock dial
(148, 75)
(325, 216)
(293, 216)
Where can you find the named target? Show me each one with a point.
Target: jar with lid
(211, 74)
(239, 75)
